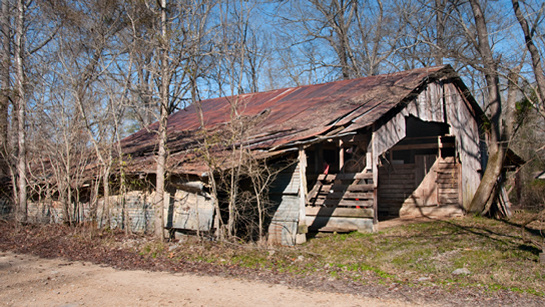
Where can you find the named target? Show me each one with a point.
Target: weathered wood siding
(443, 102)
(183, 210)
(396, 185)
(436, 195)
(387, 136)
(285, 193)
(466, 130)
(341, 202)
(448, 178)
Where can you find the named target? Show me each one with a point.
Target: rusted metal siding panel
(139, 210)
(280, 117)
(283, 227)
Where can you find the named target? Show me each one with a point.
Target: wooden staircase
(341, 202)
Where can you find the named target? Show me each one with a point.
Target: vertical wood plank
(303, 191)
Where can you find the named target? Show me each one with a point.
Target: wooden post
(341, 155)
(439, 146)
(374, 161)
(302, 228)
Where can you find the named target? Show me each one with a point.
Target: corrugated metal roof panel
(277, 118)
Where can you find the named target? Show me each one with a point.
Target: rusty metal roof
(276, 119)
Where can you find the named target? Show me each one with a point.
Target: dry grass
(420, 255)
(493, 251)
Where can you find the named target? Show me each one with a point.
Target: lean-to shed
(400, 144)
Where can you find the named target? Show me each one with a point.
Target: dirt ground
(27, 280)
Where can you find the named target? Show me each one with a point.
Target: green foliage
(522, 107)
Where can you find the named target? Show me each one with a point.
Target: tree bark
(440, 28)
(4, 95)
(512, 89)
(162, 133)
(534, 53)
(487, 187)
(21, 109)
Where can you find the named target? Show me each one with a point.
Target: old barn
(400, 144)
(346, 155)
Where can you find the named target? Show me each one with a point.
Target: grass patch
(491, 250)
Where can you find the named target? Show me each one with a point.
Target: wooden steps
(341, 202)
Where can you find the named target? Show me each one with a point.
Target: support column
(341, 155)
(374, 168)
(302, 228)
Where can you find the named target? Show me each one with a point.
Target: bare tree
(529, 37)
(183, 28)
(5, 82)
(21, 111)
(363, 35)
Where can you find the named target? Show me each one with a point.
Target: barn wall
(387, 136)
(191, 211)
(285, 193)
(139, 206)
(465, 128)
(428, 106)
(183, 210)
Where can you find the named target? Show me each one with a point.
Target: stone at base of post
(300, 238)
(542, 258)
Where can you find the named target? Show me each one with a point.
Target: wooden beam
(340, 224)
(348, 195)
(422, 146)
(342, 187)
(347, 176)
(340, 212)
(343, 203)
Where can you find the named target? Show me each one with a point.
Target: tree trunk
(21, 102)
(534, 53)
(163, 120)
(440, 28)
(4, 95)
(487, 187)
(512, 90)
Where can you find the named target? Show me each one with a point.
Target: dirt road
(30, 281)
